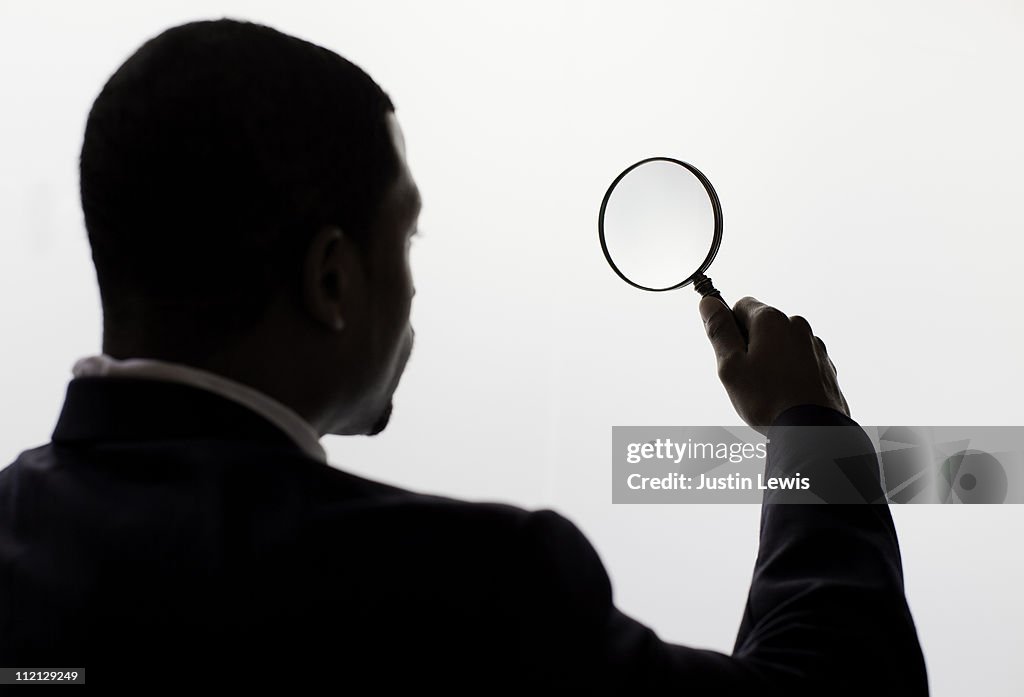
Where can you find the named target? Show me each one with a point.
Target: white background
(868, 158)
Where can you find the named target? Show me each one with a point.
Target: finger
(823, 354)
(801, 324)
(745, 309)
(720, 325)
(758, 320)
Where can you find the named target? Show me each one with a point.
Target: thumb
(720, 324)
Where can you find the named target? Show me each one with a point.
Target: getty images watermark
(818, 464)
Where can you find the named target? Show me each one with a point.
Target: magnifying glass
(661, 226)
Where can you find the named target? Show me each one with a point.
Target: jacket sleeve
(825, 614)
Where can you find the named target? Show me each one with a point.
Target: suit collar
(285, 418)
(108, 408)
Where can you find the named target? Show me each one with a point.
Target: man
(249, 209)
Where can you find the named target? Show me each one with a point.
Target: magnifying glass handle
(703, 285)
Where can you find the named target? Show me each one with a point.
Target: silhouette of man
(249, 209)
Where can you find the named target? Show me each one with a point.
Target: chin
(382, 421)
(367, 428)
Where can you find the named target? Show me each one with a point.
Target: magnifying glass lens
(660, 225)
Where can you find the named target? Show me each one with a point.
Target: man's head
(249, 209)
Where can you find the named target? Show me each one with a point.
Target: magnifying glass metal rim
(715, 206)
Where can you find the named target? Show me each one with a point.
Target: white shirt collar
(285, 418)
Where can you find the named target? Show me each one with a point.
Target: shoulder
(342, 497)
(533, 531)
(541, 547)
(29, 467)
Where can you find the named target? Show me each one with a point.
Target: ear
(330, 275)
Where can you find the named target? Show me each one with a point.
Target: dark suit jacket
(168, 535)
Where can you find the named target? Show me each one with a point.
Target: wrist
(811, 414)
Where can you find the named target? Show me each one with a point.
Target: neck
(257, 360)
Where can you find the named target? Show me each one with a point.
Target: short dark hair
(210, 158)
